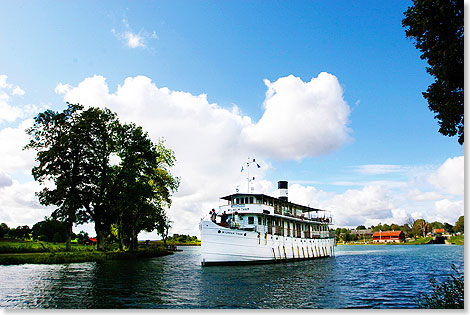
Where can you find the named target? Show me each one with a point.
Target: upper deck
(267, 205)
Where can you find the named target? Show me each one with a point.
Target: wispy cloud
(133, 39)
(377, 169)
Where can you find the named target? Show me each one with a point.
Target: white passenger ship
(262, 229)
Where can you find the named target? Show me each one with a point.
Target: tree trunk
(68, 236)
(99, 236)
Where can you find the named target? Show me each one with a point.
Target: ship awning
(266, 197)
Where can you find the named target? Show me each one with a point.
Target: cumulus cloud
(418, 195)
(301, 119)
(5, 179)
(447, 211)
(62, 88)
(19, 205)
(211, 143)
(13, 157)
(449, 178)
(362, 205)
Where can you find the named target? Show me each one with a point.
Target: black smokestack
(282, 187)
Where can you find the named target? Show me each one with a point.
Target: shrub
(450, 294)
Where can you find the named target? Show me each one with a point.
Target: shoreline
(79, 256)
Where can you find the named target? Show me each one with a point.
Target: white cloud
(416, 194)
(379, 169)
(211, 143)
(354, 205)
(8, 112)
(132, 39)
(3, 82)
(20, 206)
(447, 211)
(62, 88)
(12, 156)
(5, 179)
(301, 119)
(449, 178)
(18, 91)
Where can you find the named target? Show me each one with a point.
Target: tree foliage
(21, 232)
(48, 230)
(74, 151)
(144, 184)
(4, 229)
(437, 26)
(447, 295)
(56, 138)
(459, 225)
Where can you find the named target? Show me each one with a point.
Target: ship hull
(225, 246)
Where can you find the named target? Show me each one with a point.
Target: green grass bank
(30, 252)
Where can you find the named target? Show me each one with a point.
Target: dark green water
(362, 276)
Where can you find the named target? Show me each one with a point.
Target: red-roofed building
(90, 241)
(388, 236)
(436, 231)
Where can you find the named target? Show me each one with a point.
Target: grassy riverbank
(30, 252)
(176, 243)
(456, 240)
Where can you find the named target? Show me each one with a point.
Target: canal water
(360, 276)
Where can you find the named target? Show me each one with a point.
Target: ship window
(251, 199)
(251, 220)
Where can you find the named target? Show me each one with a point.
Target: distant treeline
(48, 230)
(182, 238)
(412, 229)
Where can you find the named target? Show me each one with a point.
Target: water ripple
(358, 277)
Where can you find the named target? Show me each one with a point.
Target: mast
(247, 167)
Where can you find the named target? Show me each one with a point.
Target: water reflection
(358, 277)
(298, 284)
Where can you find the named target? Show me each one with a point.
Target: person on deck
(213, 215)
(224, 217)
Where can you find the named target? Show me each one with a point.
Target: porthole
(218, 231)
(244, 234)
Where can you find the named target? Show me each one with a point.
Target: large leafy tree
(74, 155)
(438, 29)
(419, 228)
(62, 164)
(97, 129)
(143, 185)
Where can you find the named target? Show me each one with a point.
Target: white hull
(221, 245)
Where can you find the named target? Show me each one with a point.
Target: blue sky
(226, 50)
